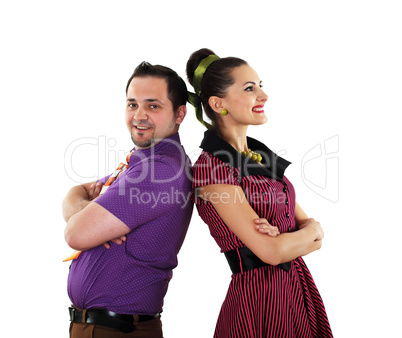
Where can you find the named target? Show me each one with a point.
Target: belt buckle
(75, 315)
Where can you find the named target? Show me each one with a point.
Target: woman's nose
(263, 97)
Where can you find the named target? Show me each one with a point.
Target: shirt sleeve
(141, 194)
(210, 170)
(103, 180)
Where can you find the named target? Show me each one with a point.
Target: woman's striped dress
(266, 301)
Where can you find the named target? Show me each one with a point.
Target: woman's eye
(249, 89)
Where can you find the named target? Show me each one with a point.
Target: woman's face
(245, 99)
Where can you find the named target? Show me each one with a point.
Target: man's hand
(118, 241)
(264, 227)
(78, 198)
(94, 191)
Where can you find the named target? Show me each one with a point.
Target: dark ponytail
(216, 80)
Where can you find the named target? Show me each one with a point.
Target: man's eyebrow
(146, 100)
(153, 100)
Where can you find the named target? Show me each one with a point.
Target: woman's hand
(311, 222)
(264, 227)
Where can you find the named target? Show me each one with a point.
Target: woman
(250, 208)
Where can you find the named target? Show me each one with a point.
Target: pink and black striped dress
(266, 301)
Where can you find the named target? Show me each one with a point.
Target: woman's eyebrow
(251, 82)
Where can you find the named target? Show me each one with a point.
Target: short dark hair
(177, 90)
(216, 80)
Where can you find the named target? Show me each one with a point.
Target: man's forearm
(76, 200)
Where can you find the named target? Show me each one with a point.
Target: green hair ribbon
(196, 102)
(194, 99)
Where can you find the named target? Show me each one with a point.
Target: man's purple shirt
(152, 197)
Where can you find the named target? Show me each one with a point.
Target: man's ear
(181, 114)
(216, 103)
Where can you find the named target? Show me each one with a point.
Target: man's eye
(132, 105)
(154, 106)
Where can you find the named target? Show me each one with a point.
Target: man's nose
(140, 114)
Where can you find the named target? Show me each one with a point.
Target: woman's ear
(216, 103)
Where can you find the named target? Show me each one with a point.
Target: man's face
(149, 112)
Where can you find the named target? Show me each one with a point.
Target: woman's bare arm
(232, 206)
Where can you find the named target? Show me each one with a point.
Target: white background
(332, 70)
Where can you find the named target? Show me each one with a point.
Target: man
(141, 218)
